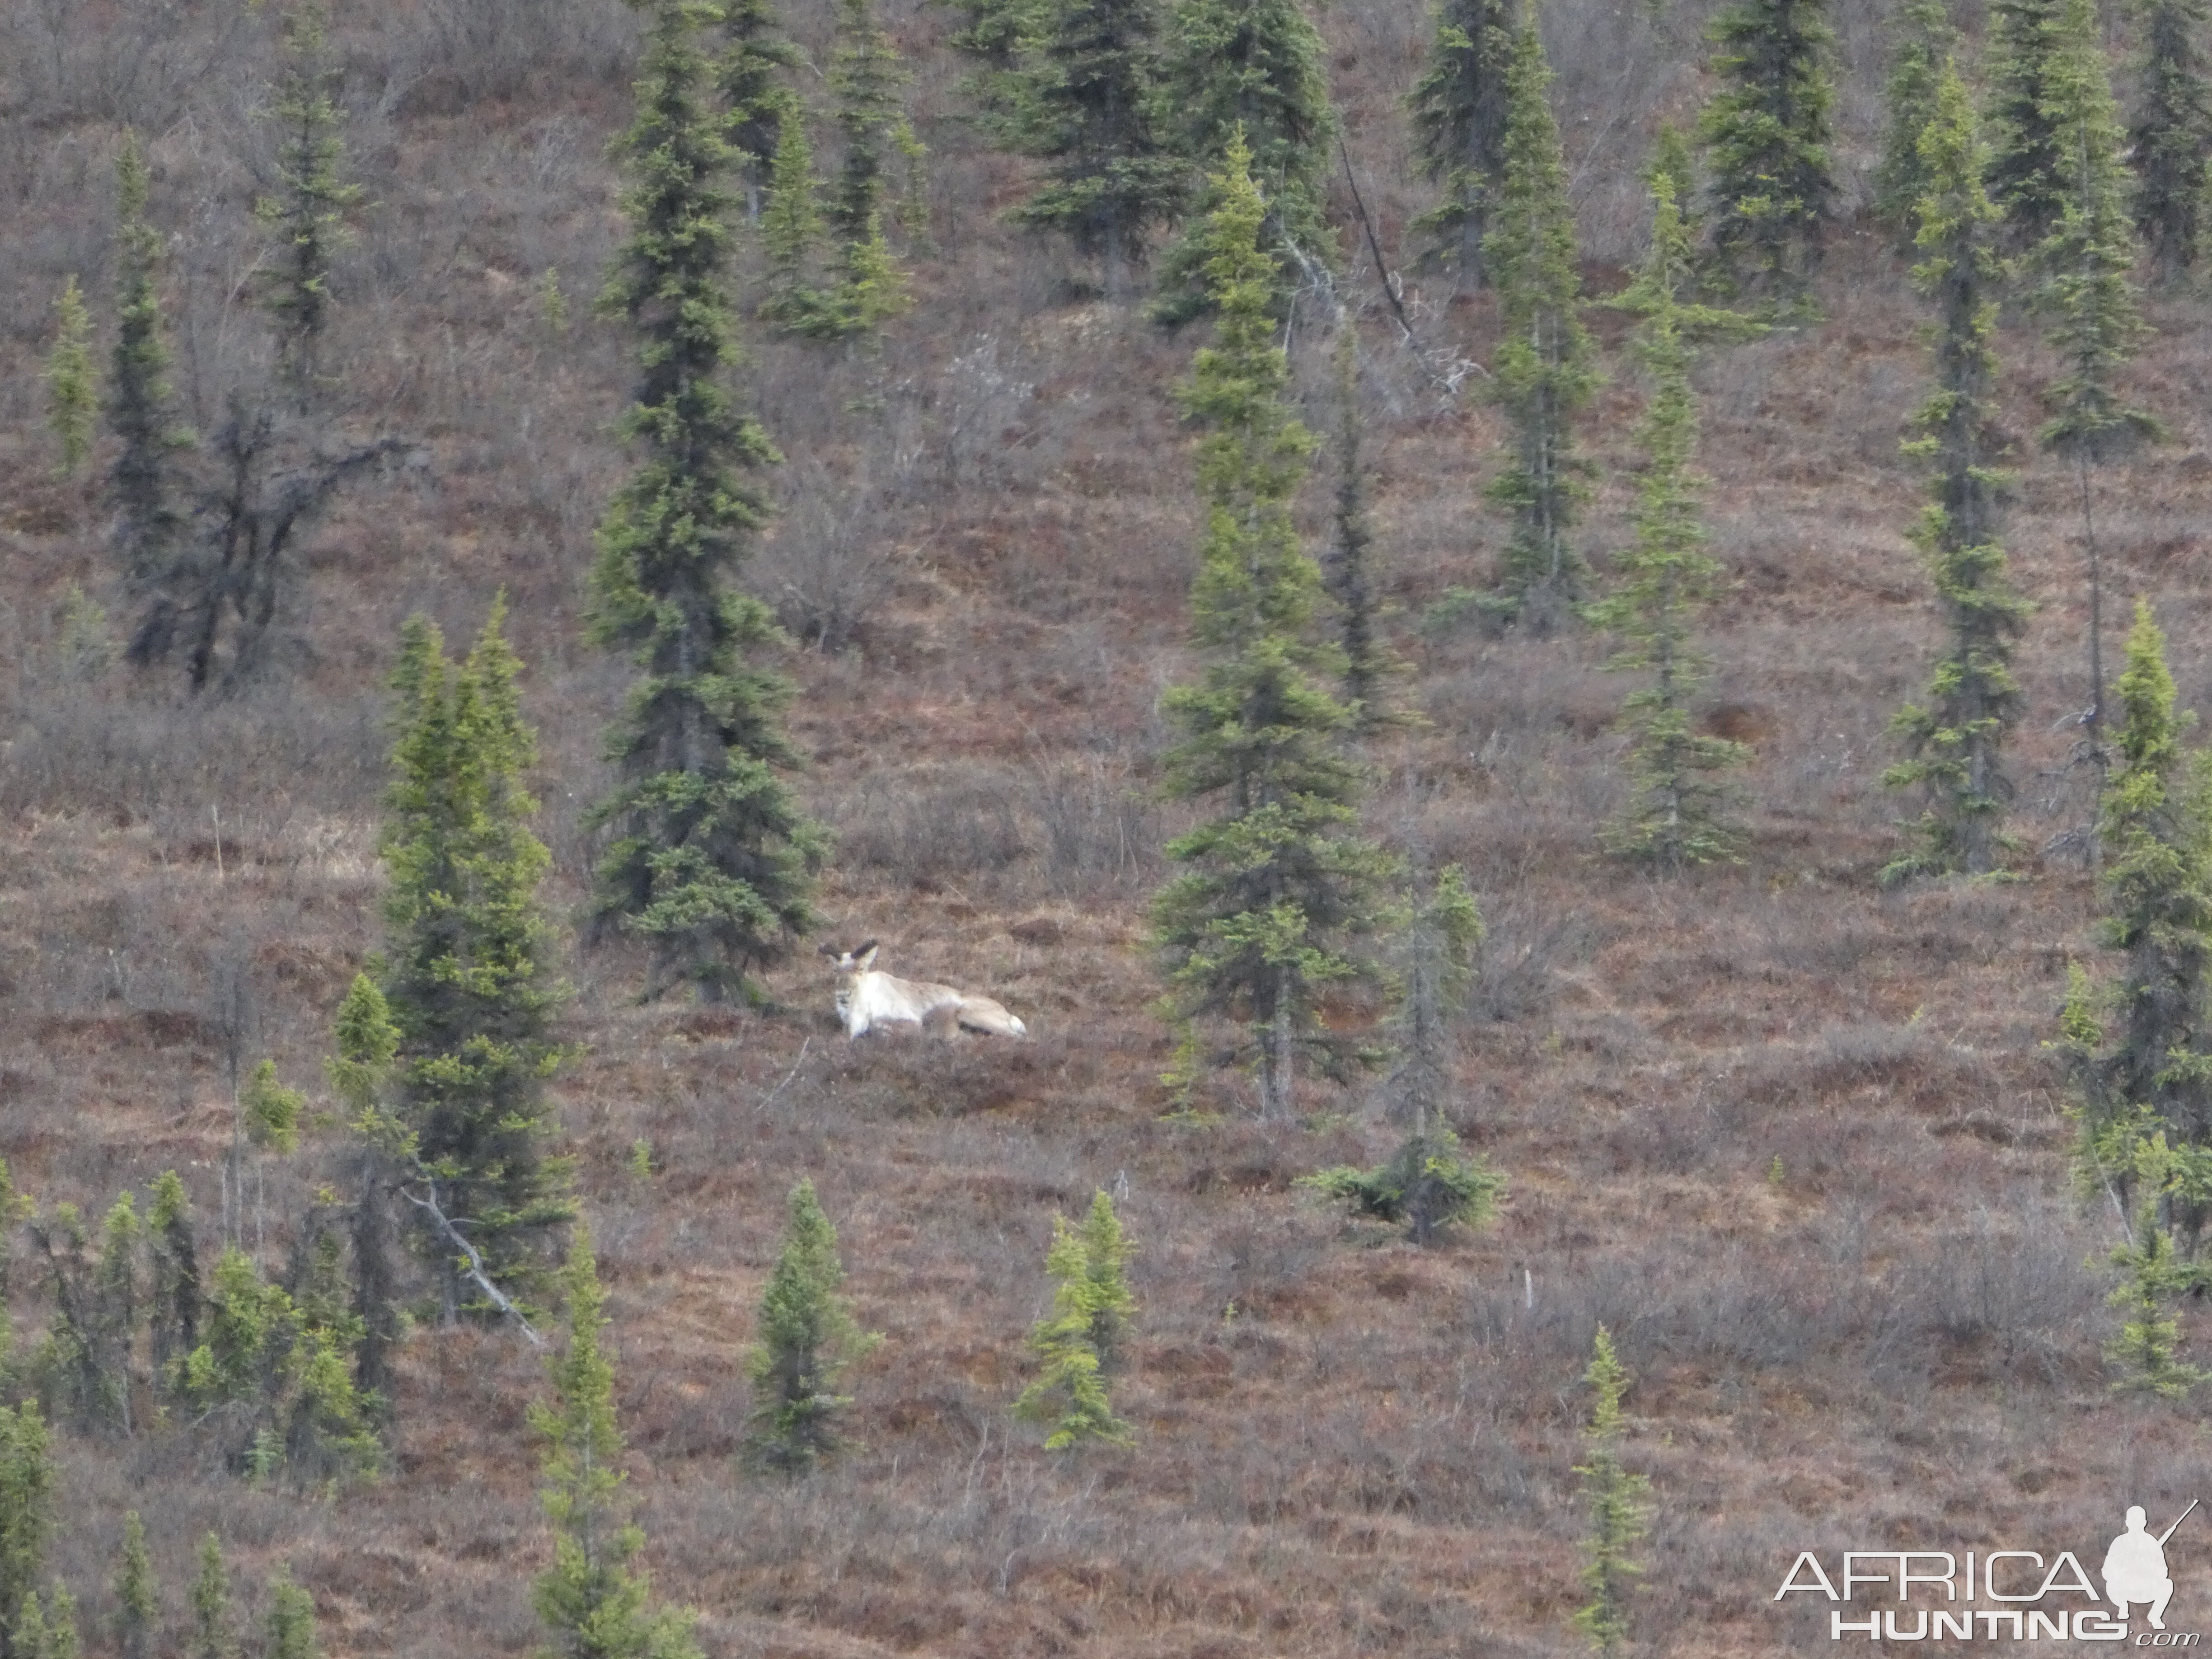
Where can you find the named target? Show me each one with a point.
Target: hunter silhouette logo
(2020, 1582)
(2135, 1568)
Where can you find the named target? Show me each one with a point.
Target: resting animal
(866, 999)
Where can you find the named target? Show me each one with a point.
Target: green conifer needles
(1766, 134)
(466, 978)
(1277, 885)
(1080, 1341)
(1682, 812)
(710, 857)
(1954, 741)
(1615, 1503)
(807, 1340)
(1543, 373)
(596, 1604)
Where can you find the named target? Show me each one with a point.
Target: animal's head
(850, 965)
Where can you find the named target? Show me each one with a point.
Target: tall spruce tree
(2089, 294)
(139, 406)
(1460, 108)
(1766, 134)
(1922, 39)
(1253, 68)
(596, 1604)
(2170, 140)
(711, 859)
(1680, 813)
(1543, 373)
(1090, 109)
(2028, 151)
(466, 975)
(1955, 742)
(1278, 886)
(808, 1340)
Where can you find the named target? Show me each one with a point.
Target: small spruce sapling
(1615, 1500)
(1081, 1340)
(808, 1340)
(137, 1601)
(2153, 1276)
(595, 1603)
(214, 1632)
(26, 1512)
(72, 402)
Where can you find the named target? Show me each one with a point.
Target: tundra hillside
(1792, 1136)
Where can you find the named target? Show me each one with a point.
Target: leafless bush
(1098, 830)
(928, 826)
(460, 51)
(1521, 956)
(830, 559)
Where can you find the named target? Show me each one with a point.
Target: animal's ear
(866, 957)
(829, 951)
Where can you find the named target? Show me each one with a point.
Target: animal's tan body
(868, 1000)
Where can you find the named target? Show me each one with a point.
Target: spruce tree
(137, 1603)
(173, 1299)
(711, 859)
(808, 1340)
(306, 213)
(1277, 887)
(1542, 375)
(1253, 71)
(70, 401)
(2143, 1101)
(2147, 1352)
(1080, 1341)
(1766, 134)
(1923, 40)
(2170, 140)
(756, 104)
(867, 79)
(95, 1307)
(140, 407)
(1680, 813)
(1090, 109)
(62, 1640)
(26, 1513)
(291, 1621)
(1615, 1501)
(2030, 152)
(791, 233)
(466, 975)
(1460, 108)
(1954, 743)
(2089, 297)
(27, 1637)
(1428, 1183)
(214, 1636)
(594, 1602)
(1348, 573)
